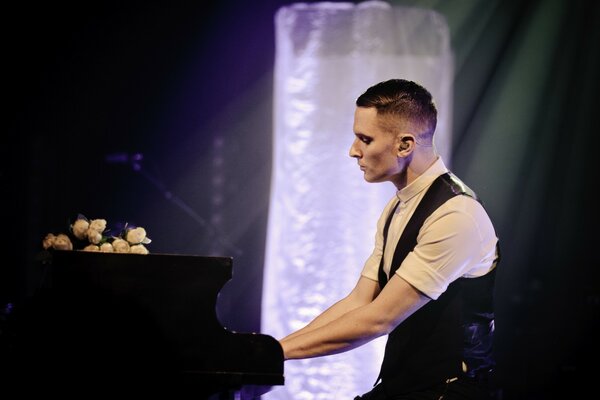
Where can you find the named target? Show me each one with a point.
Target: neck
(417, 165)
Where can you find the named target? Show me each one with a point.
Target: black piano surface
(146, 323)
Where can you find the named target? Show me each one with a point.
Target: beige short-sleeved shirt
(456, 240)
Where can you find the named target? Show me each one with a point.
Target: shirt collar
(423, 181)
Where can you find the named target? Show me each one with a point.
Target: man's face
(375, 150)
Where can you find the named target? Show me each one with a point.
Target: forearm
(348, 331)
(335, 311)
(363, 293)
(358, 325)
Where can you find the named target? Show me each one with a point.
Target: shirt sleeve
(455, 240)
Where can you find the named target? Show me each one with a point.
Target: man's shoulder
(457, 185)
(464, 211)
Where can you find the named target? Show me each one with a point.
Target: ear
(406, 144)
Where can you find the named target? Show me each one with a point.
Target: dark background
(189, 86)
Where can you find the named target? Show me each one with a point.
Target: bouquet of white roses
(91, 235)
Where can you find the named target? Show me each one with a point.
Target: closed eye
(364, 139)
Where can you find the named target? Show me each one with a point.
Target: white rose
(62, 242)
(80, 228)
(48, 241)
(91, 247)
(135, 236)
(99, 225)
(138, 249)
(120, 246)
(107, 248)
(94, 236)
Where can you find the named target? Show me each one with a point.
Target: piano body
(145, 323)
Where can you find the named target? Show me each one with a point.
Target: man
(429, 280)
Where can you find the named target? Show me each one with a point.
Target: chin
(372, 180)
(377, 178)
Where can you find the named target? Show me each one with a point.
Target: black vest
(430, 346)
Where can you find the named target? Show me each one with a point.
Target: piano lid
(145, 315)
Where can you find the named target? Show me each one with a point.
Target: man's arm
(341, 331)
(363, 293)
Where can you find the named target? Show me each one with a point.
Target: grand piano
(145, 324)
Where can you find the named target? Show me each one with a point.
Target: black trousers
(458, 389)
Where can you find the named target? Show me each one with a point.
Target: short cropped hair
(404, 105)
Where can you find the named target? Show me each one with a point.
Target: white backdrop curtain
(322, 213)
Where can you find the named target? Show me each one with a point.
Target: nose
(354, 151)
